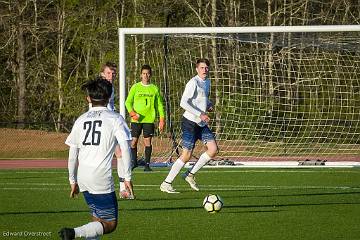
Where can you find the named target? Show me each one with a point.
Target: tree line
(48, 48)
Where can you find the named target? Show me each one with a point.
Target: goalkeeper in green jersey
(144, 103)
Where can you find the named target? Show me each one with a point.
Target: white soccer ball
(213, 203)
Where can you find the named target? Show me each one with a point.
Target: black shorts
(147, 128)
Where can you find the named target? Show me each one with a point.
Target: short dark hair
(146, 67)
(110, 65)
(203, 60)
(99, 90)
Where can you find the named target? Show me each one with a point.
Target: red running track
(42, 163)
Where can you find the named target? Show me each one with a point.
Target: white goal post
(288, 132)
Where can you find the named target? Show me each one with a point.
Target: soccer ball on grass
(213, 203)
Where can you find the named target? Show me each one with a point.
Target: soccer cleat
(67, 233)
(190, 179)
(167, 187)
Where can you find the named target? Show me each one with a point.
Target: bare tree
(60, 54)
(21, 82)
(19, 10)
(198, 13)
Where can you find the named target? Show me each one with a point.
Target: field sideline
(306, 203)
(61, 163)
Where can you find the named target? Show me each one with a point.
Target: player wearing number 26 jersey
(92, 142)
(94, 134)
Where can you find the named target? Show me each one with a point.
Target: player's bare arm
(161, 124)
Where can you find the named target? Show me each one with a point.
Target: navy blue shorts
(191, 132)
(103, 206)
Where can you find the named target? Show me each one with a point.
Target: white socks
(90, 230)
(178, 165)
(203, 159)
(174, 171)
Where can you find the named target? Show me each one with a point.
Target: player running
(143, 103)
(194, 125)
(92, 142)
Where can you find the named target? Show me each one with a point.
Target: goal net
(279, 93)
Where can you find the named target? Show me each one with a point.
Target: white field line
(150, 187)
(207, 170)
(282, 164)
(212, 170)
(35, 184)
(32, 188)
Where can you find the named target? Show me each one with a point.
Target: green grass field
(313, 203)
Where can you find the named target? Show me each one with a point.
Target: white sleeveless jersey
(96, 133)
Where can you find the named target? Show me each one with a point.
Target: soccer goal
(280, 92)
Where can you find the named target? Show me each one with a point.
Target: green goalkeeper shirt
(146, 101)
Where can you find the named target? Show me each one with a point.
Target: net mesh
(276, 95)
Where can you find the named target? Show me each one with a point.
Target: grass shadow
(43, 212)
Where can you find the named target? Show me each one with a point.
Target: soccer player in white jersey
(108, 72)
(194, 125)
(92, 142)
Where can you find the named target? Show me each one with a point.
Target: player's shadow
(234, 209)
(42, 212)
(252, 211)
(296, 194)
(162, 209)
(278, 207)
(165, 199)
(21, 178)
(242, 208)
